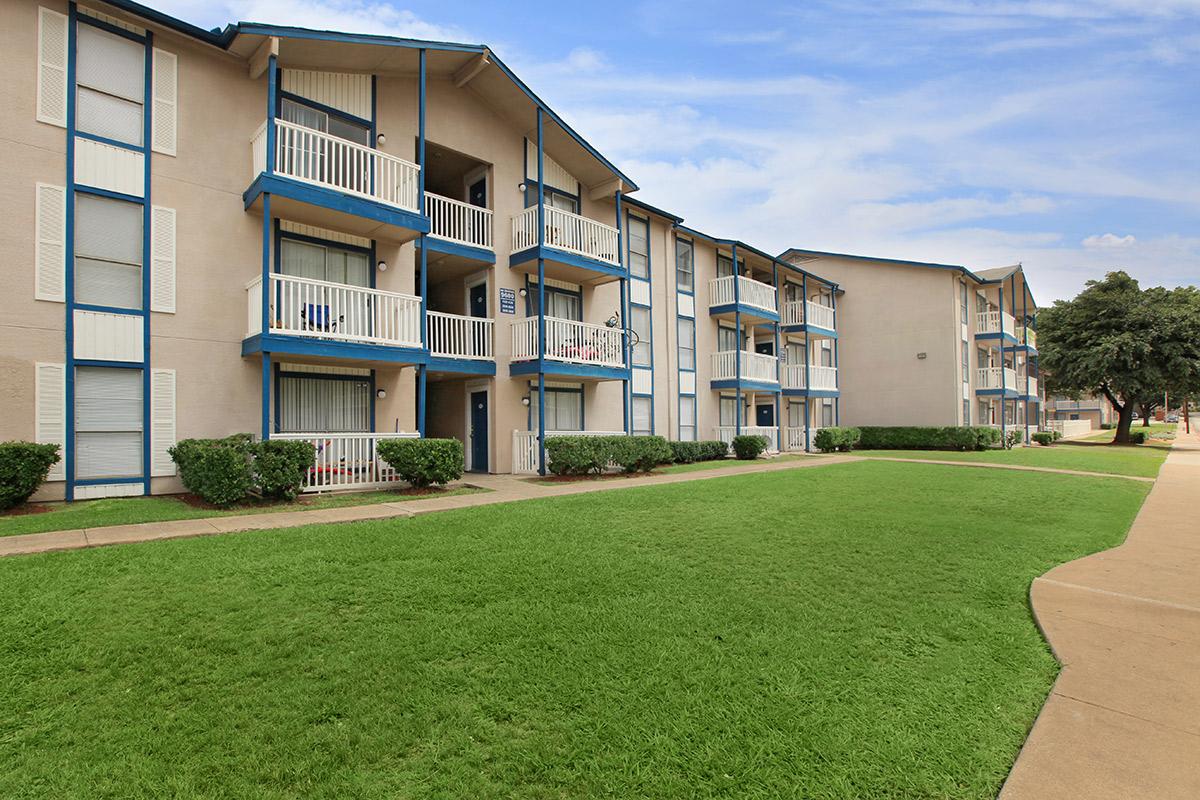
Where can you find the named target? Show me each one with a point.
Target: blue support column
(737, 353)
(1003, 386)
(541, 323)
(807, 362)
(147, 133)
(778, 362)
(266, 396)
(69, 282)
(422, 378)
(1025, 341)
(272, 105)
(626, 398)
(837, 383)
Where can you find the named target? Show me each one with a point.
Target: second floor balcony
(465, 229)
(732, 294)
(810, 316)
(757, 369)
(811, 378)
(995, 324)
(995, 380)
(571, 348)
(1027, 336)
(575, 248)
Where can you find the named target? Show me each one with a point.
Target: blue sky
(1060, 134)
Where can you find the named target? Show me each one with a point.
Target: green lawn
(161, 508)
(700, 466)
(1154, 430)
(1137, 460)
(855, 631)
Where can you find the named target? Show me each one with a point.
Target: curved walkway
(1123, 718)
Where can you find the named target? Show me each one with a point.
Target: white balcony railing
(456, 336)
(749, 292)
(818, 378)
(315, 157)
(570, 341)
(794, 440)
(726, 433)
(566, 231)
(1027, 335)
(995, 322)
(992, 377)
(324, 310)
(458, 222)
(1031, 390)
(754, 366)
(525, 447)
(800, 312)
(346, 460)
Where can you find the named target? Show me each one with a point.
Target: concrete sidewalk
(1123, 718)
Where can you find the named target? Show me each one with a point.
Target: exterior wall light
(381, 266)
(381, 140)
(524, 401)
(522, 292)
(381, 394)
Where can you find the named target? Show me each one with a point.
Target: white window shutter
(52, 67)
(50, 254)
(50, 401)
(162, 259)
(164, 118)
(162, 421)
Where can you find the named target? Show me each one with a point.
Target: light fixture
(522, 292)
(612, 321)
(520, 187)
(381, 266)
(381, 394)
(524, 401)
(381, 140)
(921, 356)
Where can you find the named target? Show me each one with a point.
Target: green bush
(828, 440)
(219, 471)
(748, 448)
(280, 467)
(638, 453)
(23, 468)
(1045, 438)
(423, 462)
(1056, 434)
(1107, 426)
(689, 452)
(1137, 437)
(1012, 439)
(576, 455)
(961, 437)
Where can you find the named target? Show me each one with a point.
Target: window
(724, 266)
(966, 362)
(795, 414)
(687, 418)
(727, 339)
(683, 265)
(981, 303)
(966, 412)
(643, 413)
(639, 321)
(110, 84)
(728, 412)
(324, 263)
(563, 201)
(108, 423)
(826, 413)
(793, 353)
(564, 409)
(984, 358)
(317, 120)
(639, 246)
(324, 404)
(687, 343)
(792, 292)
(985, 413)
(560, 303)
(963, 299)
(826, 353)
(108, 251)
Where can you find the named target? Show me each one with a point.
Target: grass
(1154, 430)
(700, 466)
(1135, 460)
(859, 630)
(162, 508)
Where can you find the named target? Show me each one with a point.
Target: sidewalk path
(1123, 718)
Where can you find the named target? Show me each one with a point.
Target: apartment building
(933, 344)
(1094, 409)
(343, 237)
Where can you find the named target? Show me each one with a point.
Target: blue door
(764, 416)
(479, 431)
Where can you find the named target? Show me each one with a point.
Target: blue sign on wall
(508, 301)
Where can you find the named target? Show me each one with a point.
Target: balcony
(1027, 336)
(819, 380)
(459, 229)
(318, 179)
(576, 249)
(460, 344)
(755, 368)
(346, 460)
(572, 348)
(996, 380)
(995, 324)
(312, 317)
(1030, 391)
(525, 447)
(810, 316)
(732, 294)
(725, 433)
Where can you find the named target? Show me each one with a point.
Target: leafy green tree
(1123, 342)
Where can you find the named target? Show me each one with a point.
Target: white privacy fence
(726, 433)
(325, 310)
(570, 341)
(754, 366)
(818, 378)
(458, 222)
(346, 460)
(1070, 427)
(525, 447)
(749, 292)
(457, 336)
(566, 231)
(316, 157)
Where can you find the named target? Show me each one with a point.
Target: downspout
(778, 361)
(421, 368)
(837, 401)
(626, 401)
(807, 359)
(541, 321)
(1003, 387)
(737, 353)
(272, 105)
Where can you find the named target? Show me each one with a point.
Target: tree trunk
(1147, 410)
(1124, 422)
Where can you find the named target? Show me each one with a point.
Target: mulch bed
(25, 509)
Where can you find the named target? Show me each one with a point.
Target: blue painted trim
(279, 375)
(133, 312)
(333, 200)
(99, 362)
(823, 333)
(133, 148)
(540, 364)
(549, 253)
(816, 393)
(107, 481)
(300, 346)
(743, 385)
(290, 32)
(480, 254)
(1007, 337)
(649, 280)
(562, 368)
(105, 26)
(626, 353)
(633, 201)
(272, 111)
(94, 190)
(741, 308)
(330, 110)
(793, 251)
(1007, 394)
(266, 396)
(147, 135)
(737, 353)
(300, 237)
(465, 366)
(691, 246)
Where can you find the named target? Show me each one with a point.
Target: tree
(1122, 342)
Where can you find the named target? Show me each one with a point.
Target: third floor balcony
(809, 316)
(736, 294)
(575, 248)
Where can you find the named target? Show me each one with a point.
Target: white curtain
(108, 252)
(108, 422)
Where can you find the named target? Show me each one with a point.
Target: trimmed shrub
(1056, 434)
(216, 470)
(423, 462)
(23, 468)
(1045, 438)
(1107, 426)
(961, 437)
(748, 448)
(280, 467)
(828, 440)
(1137, 437)
(576, 455)
(689, 452)
(638, 453)
(1012, 439)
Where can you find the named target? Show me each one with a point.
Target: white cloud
(352, 16)
(1109, 240)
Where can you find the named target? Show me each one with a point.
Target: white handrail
(316, 157)
(726, 433)
(821, 378)
(750, 292)
(990, 378)
(801, 312)
(457, 336)
(525, 447)
(325, 310)
(346, 460)
(995, 322)
(566, 231)
(755, 366)
(459, 222)
(570, 341)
